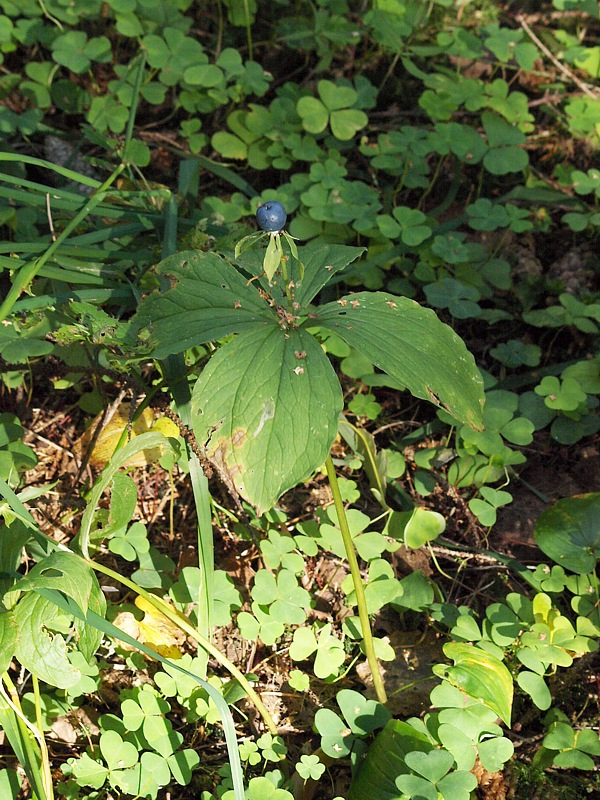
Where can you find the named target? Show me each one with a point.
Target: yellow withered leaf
(155, 630)
(110, 434)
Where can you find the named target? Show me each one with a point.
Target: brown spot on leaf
(220, 456)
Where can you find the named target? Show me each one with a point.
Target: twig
(583, 86)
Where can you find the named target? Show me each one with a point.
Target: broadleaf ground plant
(231, 507)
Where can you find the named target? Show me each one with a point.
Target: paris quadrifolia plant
(266, 406)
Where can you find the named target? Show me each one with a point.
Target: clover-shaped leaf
(272, 747)
(330, 653)
(279, 550)
(74, 51)
(485, 509)
(287, 600)
(563, 395)
(262, 789)
(408, 223)
(310, 767)
(259, 624)
(433, 765)
(333, 107)
(381, 589)
(336, 736)
(515, 353)
(459, 298)
(505, 141)
(117, 753)
(362, 715)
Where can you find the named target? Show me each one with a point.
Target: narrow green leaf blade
(25, 748)
(268, 402)
(209, 299)
(412, 345)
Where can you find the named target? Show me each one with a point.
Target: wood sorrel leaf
(267, 405)
(412, 345)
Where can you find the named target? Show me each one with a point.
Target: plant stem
(185, 626)
(39, 774)
(359, 589)
(248, 28)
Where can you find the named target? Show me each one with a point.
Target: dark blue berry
(271, 216)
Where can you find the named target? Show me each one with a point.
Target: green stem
(248, 28)
(24, 739)
(359, 589)
(185, 626)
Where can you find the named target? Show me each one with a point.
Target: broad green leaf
(481, 676)
(267, 405)
(10, 784)
(9, 633)
(410, 343)
(569, 532)
(88, 637)
(321, 262)
(43, 654)
(385, 762)
(209, 299)
(12, 539)
(63, 571)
